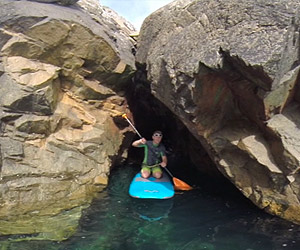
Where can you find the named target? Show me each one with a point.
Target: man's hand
(163, 164)
(164, 161)
(139, 142)
(143, 141)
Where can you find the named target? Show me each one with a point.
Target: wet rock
(57, 228)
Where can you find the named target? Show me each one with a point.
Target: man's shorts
(152, 170)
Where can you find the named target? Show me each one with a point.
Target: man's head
(157, 136)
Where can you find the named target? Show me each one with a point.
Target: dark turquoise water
(214, 217)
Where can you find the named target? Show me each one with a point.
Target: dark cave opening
(187, 159)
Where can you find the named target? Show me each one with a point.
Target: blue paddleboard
(151, 188)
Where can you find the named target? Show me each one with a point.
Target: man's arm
(164, 161)
(139, 142)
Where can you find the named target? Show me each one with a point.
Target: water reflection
(152, 210)
(205, 218)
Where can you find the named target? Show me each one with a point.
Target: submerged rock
(63, 73)
(230, 72)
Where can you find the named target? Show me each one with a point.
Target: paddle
(178, 184)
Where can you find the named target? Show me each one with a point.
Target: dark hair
(157, 132)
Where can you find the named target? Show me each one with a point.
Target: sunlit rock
(63, 77)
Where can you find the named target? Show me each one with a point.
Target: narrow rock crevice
(150, 114)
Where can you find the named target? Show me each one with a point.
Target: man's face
(156, 137)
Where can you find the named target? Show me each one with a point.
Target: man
(154, 155)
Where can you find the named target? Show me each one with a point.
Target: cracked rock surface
(230, 71)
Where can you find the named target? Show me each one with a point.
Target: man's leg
(145, 172)
(157, 172)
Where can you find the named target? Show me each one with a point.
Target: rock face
(63, 72)
(62, 2)
(230, 71)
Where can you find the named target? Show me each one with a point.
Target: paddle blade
(181, 185)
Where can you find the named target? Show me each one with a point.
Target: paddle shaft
(168, 172)
(124, 116)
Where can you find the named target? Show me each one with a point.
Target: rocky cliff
(230, 71)
(63, 71)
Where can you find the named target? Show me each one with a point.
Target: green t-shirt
(153, 153)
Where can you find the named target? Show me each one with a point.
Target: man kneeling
(154, 155)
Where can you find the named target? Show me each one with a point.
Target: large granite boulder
(63, 74)
(230, 71)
